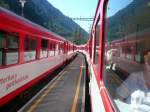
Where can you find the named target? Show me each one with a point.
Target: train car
(28, 52)
(118, 56)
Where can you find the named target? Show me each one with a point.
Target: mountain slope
(44, 14)
(129, 20)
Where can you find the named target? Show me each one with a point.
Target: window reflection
(127, 54)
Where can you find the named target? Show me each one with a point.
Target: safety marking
(84, 83)
(74, 105)
(50, 87)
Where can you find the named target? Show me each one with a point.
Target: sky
(115, 5)
(86, 8)
(77, 8)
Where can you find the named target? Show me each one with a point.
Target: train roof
(9, 18)
(134, 36)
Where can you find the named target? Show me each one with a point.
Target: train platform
(129, 66)
(126, 67)
(65, 93)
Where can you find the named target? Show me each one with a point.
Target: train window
(8, 49)
(63, 47)
(126, 72)
(51, 49)
(12, 49)
(29, 49)
(97, 35)
(60, 48)
(44, 48)
(56, 49)
(92, 49)
(2, 46)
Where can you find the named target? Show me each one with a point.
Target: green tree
(77, 36)
(3, 4)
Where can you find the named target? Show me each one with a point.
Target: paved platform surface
(129, 66)
(63, 94)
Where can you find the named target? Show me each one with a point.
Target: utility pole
(22, 6)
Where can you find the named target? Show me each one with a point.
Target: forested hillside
(44, 14)
(133, 18)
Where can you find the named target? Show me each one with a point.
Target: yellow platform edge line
(37, 102)
(74, 104)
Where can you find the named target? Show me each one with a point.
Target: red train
(118, 56)
(28, 52)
